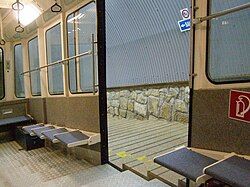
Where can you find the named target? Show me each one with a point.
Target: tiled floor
(47, 167)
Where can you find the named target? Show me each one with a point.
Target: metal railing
(67, 60)
(221, 13)
(58, 62)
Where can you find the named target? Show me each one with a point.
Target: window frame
(34, 95)
(73, 12)
(3, 74)
(67, 39)
(207, 71)
(15, 71)
(46, 48)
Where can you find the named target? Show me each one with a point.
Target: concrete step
(167, 176)
(156, 183)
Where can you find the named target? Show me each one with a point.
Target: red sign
(239, 105)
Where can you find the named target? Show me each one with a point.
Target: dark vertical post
(191, 79)
(101, 40)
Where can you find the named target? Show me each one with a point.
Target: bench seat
(27, 129)
(51, 133)
(15, 120)
(185, 162)
(38, 131)
(72, 139)
(234, 171)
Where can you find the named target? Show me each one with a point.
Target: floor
(47, 167)
(134, 143)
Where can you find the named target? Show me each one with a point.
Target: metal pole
(93, 60)
(57, 62)
(222, 13)
(191, 47)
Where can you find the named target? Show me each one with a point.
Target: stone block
(116, 111)
(130, 115)
(140, 109)
(166, 111)
(153, 105)
(133, 95)
(116, 95)
(174, 91)
(110, 95)
(163, 90)
(186, 98)
(123, 113)
(115, 103)
(138, 91)
(187, 90)
(139, 117)
(187, 94)
(111, 111)
(181, 93)
(123, 103)
(146, 93)
(141, 99)
(124, 93)
(131, 105)
(180, 106)
(154, 92)
(181, 117)
(168, 97)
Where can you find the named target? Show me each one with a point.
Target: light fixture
(28, 14)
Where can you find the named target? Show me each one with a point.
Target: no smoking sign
(185, 13)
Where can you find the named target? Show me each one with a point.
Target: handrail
(58, 62)
(67, 60)
(222, 13)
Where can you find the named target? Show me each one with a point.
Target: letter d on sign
(239, 105)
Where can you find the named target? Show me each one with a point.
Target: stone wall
(163, 102)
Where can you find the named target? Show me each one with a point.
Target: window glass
(54, 53)
(34, 63)
(81, 25)
(71, 52)
(228, 43)
(19, 79)
(1, 74)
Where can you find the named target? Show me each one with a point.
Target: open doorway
(147, 84)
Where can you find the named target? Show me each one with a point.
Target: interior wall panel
(212, 128)
(74, 112)
(37, 109)
(9, 109)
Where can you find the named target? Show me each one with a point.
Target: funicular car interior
(54, 109)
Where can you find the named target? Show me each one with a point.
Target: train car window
(54, 53)
(34, 63)
(81, 25)
(71, 52)
(18, 63)
(1, 74)
(228, 44)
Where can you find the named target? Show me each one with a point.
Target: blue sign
(184, 25)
